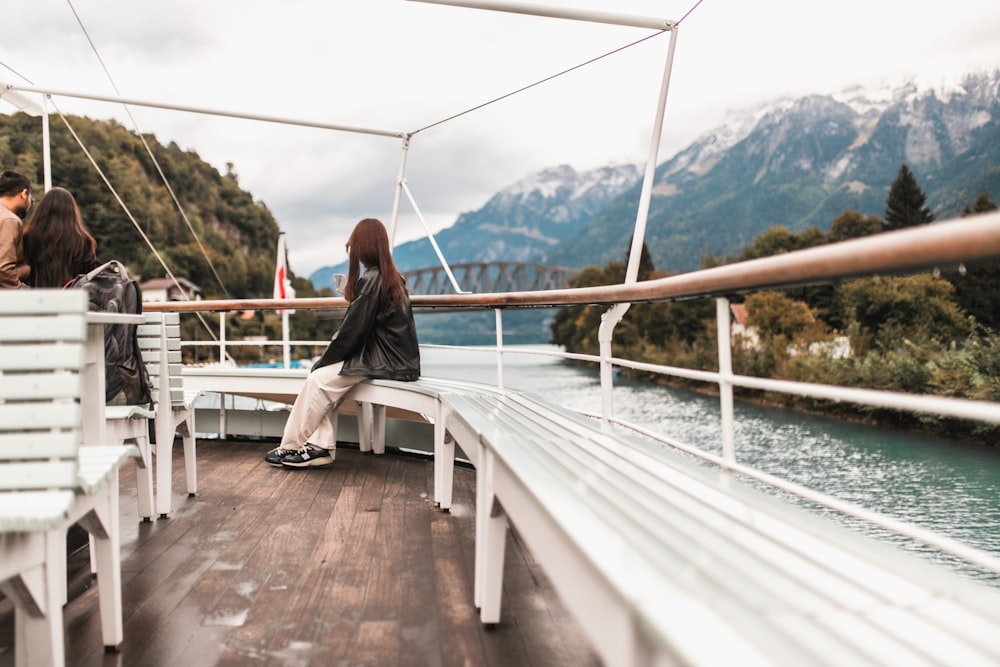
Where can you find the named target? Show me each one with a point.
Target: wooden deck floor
(348, 565)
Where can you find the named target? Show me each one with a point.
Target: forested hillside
(927, 333)
(239, 235)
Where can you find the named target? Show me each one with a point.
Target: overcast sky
(402, 66)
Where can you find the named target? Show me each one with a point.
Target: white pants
(309, 421)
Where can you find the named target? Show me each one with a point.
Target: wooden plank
(421, 641)
(459, 619)
(380, 618)
(292, 545)
(170, 558)
(344, 587)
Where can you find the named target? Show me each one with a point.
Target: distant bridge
(490, 277)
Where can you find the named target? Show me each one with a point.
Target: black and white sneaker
(308, 457)
(277, 455)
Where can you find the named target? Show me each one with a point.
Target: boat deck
(351, 564)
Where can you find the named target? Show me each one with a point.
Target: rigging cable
(557, 74)
(536, 83)
(135, 223)
(121, 203)
(149, 151)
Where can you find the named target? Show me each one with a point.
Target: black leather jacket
(372, 342)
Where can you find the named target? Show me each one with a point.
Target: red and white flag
(282, 285)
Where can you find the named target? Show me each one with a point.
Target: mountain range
(795, 163)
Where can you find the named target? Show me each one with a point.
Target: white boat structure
(658, 553)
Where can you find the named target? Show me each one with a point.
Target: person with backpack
(377, 339)
(56, 244)
(15, 201)
(62, 253)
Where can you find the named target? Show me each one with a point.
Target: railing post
(286, 351)
(400, 179)
(609, 320)
(725, 379)
(499, 327)
(222, 336)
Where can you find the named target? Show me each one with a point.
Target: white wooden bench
(425, 396)
(48, 481)
(160, 342)
(666, 561)
(374, 402)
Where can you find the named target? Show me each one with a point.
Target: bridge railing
(936, 247)
(485, 277)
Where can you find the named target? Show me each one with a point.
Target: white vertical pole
(400, 180)
(499, 318)
(222, 336)
(611, 318)
(605, 334)
(642, 215)
(46, 145)
(726, 380)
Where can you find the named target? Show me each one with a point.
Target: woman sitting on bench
(377, 339)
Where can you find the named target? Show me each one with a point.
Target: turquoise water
(948, 486)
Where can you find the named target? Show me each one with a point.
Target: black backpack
(110, 289)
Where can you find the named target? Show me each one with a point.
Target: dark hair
(56, 244)
(12, 182)
(369, 245)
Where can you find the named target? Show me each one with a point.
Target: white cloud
(396, 65)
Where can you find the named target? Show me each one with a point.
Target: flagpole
(283, 290)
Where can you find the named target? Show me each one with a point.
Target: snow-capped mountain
(521, 223)
(803, 163)
(795, 163)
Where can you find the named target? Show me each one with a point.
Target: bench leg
(371, 427)
(38, 595)
(190, 453)
(102, 522)
(144, 478)
(136, 431)
(164, 461)
(364, 426)
(491, 543)
(378, 429)
(444, 464)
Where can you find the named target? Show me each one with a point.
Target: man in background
(15, 200)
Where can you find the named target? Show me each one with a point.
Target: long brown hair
(369, 245)
(56, 244)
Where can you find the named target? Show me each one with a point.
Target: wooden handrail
(936, 246)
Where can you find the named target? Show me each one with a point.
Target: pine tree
(905, 204)
(983, 204)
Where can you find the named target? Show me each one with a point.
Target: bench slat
(33, 386)
(29, 511)
(20, 358)
(36, 416)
